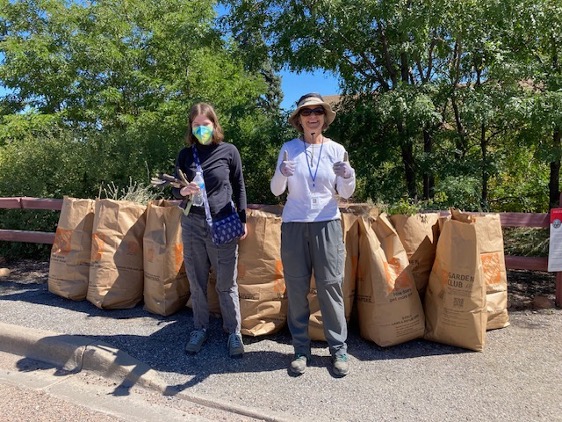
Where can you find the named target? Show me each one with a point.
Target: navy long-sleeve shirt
(222, 171)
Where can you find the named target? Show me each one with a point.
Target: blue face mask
(203, 133)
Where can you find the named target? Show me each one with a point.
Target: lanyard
(313, 177)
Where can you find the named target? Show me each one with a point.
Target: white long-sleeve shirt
(314, 187)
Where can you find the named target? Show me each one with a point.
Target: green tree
(119, 78)
(534, 40)
(394, 54)
(425, 84)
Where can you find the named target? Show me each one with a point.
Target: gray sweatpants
(199, 254)
(315, 247)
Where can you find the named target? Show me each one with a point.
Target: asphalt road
(516, 378)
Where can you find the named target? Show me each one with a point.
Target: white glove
(343, 169)
(287, 167)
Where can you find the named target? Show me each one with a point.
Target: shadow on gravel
(39, 294)
(164, 351)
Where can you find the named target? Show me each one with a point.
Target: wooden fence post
(559, 290)
(558, 299)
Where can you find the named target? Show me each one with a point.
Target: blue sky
(294, 85)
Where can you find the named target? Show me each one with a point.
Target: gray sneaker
(298, 365)
(196, 340)
(235, 345)
(341, 366)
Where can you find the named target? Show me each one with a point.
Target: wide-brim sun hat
(311, 100)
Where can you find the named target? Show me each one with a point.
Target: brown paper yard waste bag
(166, 288)
(116, 268)
(490, 244)
(455, 300)
(389, 307)
(69, 264)
(263, 303)
(418, 234)
(350, 229)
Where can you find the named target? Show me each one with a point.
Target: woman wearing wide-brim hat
(315, 171)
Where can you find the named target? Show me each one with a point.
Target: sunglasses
(316, 111)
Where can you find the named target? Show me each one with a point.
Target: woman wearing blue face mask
(224, 184)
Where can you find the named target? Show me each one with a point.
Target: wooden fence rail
(508, 219)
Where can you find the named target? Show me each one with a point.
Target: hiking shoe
(341, 366)
(235, 345)
(196, 340)
(298, 365)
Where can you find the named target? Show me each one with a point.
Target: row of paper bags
(440, 278)
(406, 277)
(116, 254)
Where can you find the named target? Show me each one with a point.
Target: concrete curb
(74, 353)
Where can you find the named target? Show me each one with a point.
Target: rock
(5, 272)
(542, 302)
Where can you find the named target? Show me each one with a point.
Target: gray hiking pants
(318, 248)
(199, 254)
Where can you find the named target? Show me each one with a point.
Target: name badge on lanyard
(315, 201)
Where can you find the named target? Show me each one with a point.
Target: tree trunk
(485, 175)
(554, 183)
(409, 169)
(428, 179)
